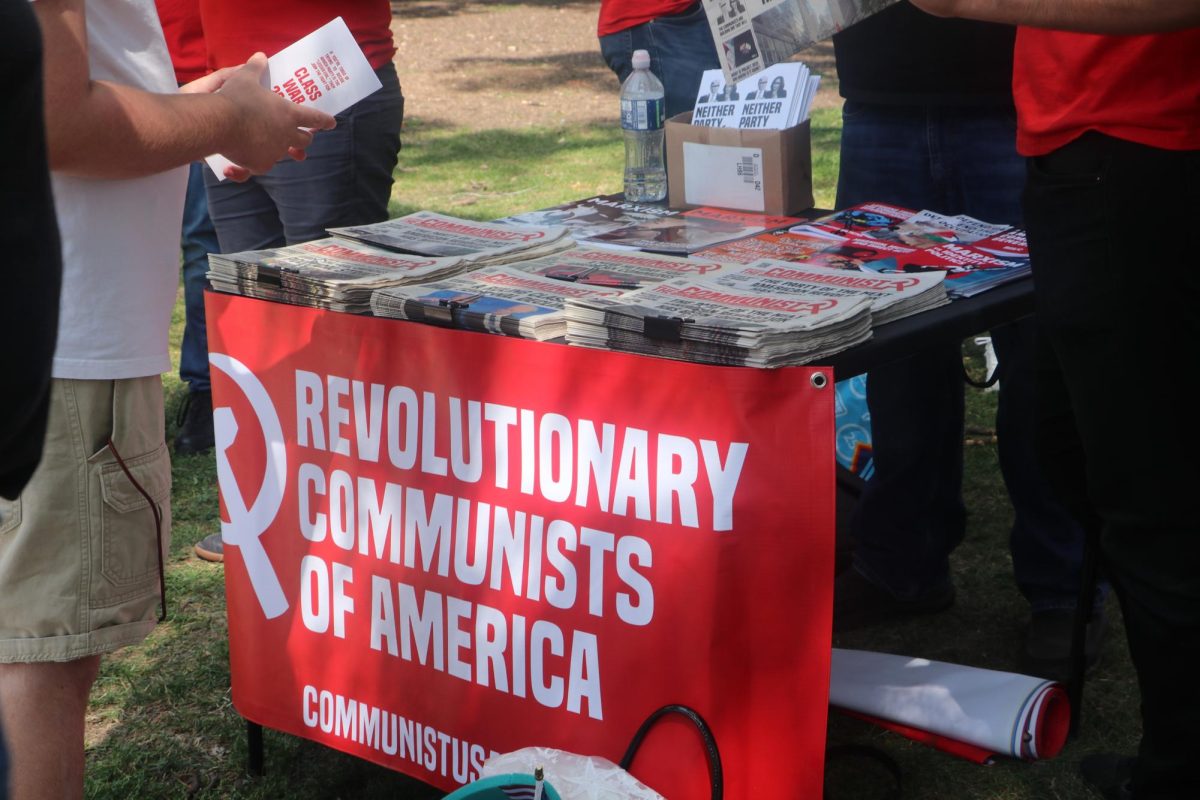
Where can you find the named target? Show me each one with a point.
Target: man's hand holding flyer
(325, 70)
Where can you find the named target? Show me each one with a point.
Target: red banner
(441, 544)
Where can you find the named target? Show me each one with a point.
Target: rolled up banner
(1001, 712)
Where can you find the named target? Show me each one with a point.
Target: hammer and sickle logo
(246, 525)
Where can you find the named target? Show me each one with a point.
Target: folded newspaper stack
(480, 243)
(615, 269)
(694, 319)
(333, 274)
(493, 299)
(892, 296)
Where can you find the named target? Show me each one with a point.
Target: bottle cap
(641, 59)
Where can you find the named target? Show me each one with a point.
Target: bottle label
(642, 115)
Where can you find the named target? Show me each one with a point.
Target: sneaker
(1047, 651)
(195, 424)
(1109, 774)
(211, 548)
(859, 603)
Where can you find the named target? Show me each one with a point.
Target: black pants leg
(1113, 232)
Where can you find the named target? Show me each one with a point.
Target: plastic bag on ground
(575, 777)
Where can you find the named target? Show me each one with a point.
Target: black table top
(956, 321)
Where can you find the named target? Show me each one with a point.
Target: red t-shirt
(185, 38)
(234, 31)
(617, 15)
(1143, 89)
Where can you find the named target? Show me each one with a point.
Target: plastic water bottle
(642, 108)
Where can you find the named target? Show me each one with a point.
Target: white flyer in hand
(326, 70)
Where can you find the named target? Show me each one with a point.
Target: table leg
(254, 748)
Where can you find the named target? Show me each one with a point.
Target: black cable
(715, 774)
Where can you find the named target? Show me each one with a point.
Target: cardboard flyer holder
(765, 171)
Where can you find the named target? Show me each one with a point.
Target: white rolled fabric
(1003, 712)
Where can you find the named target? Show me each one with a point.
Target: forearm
(1091, 16)
(110, 130)
(106, 129)
(116, 131)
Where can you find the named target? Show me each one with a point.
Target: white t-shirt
(120, 237)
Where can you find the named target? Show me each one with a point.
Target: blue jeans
(911, 513)
(345, 180)
(681, 48)
(198, 240)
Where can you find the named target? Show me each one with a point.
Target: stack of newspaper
(616, 269)
(892, 297)
(696, 319)
(480, 243)
(498, 299)
(778, 97)
(327, 273)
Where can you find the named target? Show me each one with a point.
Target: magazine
(865, 252)
(430, 234)
(1009, 243)
(500, 300)
(751, 35)
(593, 215)
(969, 270)
(862, 218)
(616, 269)
(791, 245)
(691, 231)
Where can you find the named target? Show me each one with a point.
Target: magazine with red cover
(968, 269)
(863, 218)
(1006, 244)
(791, 245)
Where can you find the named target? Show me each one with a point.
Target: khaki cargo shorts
(79, 554)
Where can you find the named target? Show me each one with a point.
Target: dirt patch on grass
(478, 64)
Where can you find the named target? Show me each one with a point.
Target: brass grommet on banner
(819, 380)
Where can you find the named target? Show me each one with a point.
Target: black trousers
(1114, 236)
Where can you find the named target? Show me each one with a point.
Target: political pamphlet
(778, 97)
(751, 35)
(326, 70)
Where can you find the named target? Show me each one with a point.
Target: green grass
(162, 724)
(489, 174)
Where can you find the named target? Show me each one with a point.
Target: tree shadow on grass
(583, 69)
(428, 9)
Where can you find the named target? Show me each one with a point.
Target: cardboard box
(769, 172)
